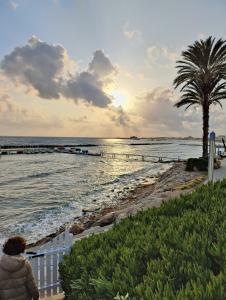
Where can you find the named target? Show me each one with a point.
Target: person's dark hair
(14, 245)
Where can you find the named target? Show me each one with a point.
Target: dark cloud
(101, 65)
(36, 64)
(87, 87)
(42, 66)
(120, 117)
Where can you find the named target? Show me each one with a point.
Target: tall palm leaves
(201, 74)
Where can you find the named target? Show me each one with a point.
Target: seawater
(41, 192)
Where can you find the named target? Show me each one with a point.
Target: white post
(212, 152)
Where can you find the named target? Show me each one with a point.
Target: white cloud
(154, 114)
(79, 120)
(202, 36)
(14, 116)
(159, 116)
(130, 33)
(13, 5)
(161, 55)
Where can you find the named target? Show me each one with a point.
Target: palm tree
(201, 73)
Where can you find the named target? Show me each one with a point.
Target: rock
(88, 224)
(90, 209)
(106, 220)
(217, 164)
(76, 229)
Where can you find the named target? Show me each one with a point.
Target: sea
(41, 192)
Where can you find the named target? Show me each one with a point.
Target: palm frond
(201, 73)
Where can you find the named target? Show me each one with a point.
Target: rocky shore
(172, 183)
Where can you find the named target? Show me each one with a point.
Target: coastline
(171, 183)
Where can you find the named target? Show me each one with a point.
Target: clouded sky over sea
(101, 68)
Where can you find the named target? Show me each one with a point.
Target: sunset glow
(112, 61)
(118, 99)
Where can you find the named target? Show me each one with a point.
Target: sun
(118, 99)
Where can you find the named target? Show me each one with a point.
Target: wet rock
(90, 209)
(106, 220)
(89, 221)
(47, 239)
(88, 224)
(76, 229)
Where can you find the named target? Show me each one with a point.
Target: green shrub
(190, 164)
(201, 164)
(176, 251)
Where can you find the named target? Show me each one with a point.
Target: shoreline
(171, 183)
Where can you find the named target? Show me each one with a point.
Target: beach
(174, 182)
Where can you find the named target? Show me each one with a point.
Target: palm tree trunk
(205, 128)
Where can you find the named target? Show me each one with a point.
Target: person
(16, 276)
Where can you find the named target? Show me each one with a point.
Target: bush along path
(176, 251)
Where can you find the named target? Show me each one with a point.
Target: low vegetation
(191, 184)
(197, 164)
(176, 251)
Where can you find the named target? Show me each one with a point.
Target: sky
(101, 68)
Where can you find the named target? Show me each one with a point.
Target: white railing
(212, 155)
(45, 264)
(45, 269)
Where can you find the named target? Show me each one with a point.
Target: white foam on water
(39, 193)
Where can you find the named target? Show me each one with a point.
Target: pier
(73, 149)
(142, 157)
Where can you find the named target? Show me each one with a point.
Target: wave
(133, 174)
(37, 175)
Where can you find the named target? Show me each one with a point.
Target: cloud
(13, 5)
(202, 35)
(154, 114)
(5, 105)
(37, 64)
(89, 85)
(48, 70)
(86, 86)
(161, 55)
(158, 114)
(101, 65)
(130, 33)
(79, 120)
(14, 116)
(119, 117)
